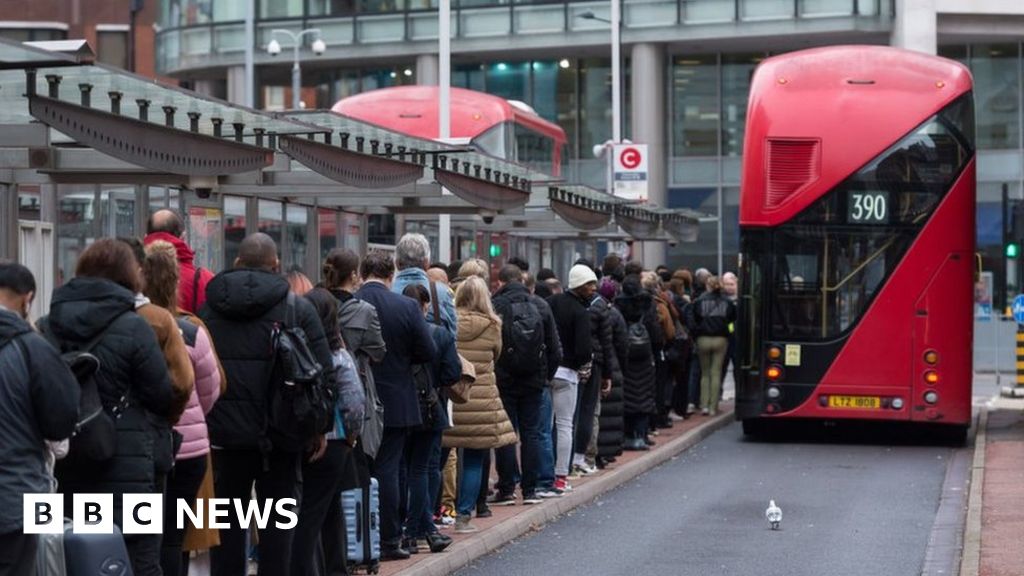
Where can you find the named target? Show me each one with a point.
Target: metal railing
(375, 22)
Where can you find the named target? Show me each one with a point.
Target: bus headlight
(931, 396)
(931, 377)
(774, 372)
(897, 403)
(774, 392)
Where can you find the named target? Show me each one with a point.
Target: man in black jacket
(573, 322)
(522, 383)
(38, 401)
(243, 308)
(408, 342)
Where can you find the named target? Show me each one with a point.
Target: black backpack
(522, 337)
(95, 435)
(426, 394)
(639, 340)
(302, 403)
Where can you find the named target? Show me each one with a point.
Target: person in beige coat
(481, 423)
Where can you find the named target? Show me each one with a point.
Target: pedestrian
(408, 342)
(574, 331)
(543, 289)
(531, 353)
(730, 288)
(99, 303)
(332, 469)
(424, 445)
(166, 225)
(480, 424)
(666, 317)
(610, 430)
(638, 374)
(679, 289)
(39, 399)
(412, 257)
(605, 363)
(245, 306)
(361, 333)
(160, 270)
(712, 313)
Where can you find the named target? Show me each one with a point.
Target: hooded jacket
(445, 300)
(38, 401)
(504, 298)
(192, 425)
(132, 366)
(481, 423)
(243, 306)
(191, 286)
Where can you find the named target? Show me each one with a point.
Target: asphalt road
(851, 507)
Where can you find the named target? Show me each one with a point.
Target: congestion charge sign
(629, 171)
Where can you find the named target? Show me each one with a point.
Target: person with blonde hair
(481, 423)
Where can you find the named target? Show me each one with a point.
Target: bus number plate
(857, 402)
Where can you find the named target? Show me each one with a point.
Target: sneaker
(675, 417)
(437, 542)
(411, 545)
(704, 411)
(462, 525)
(649, 441)
(547, 493)
(584, 469)
(500, 499)
(562, 484)
(483, 511)
(534, 498)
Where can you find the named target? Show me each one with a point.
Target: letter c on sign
(630, 158)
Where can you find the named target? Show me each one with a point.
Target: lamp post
(615, 23)
(444, 80)
(274, 48)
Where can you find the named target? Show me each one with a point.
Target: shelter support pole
(8, 221)
(648, 109)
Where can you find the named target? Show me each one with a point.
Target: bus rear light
(897, 403)
(931, 397)
(931, 357)
(774, 372)
(774, 392)
(823, 401)
(774, 353)
(931, 377)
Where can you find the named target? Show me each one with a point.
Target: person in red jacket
(166, 225)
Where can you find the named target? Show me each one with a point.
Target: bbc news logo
(144, 513)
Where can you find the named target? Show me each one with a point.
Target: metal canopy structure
(64, 120)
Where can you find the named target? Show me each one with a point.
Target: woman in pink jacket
(161, 278)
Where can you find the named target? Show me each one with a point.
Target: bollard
(1017, 390)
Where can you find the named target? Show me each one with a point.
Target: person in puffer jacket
(161, 271)
(711, 314)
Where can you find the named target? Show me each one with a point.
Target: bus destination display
(867, 207)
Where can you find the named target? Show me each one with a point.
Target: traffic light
(495, 250)
(1012, 249)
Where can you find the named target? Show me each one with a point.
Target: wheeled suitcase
(361, 508)
(71, 554)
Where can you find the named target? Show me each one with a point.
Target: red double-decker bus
(503, 128)
(857, 218)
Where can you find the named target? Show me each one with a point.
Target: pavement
(994, 539)
(511, 522)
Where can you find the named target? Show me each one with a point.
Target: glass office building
(686, 69)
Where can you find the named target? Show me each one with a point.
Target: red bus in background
(507, 129)
(857, 240)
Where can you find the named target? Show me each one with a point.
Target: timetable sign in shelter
(629, 171)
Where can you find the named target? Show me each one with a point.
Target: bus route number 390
(868, 207)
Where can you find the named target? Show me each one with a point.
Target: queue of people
(424, 376)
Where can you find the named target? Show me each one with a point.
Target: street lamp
(274, 48)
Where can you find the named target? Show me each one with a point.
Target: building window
(695, 106)
(19, 34)
(595, 113)
(112, 47)
(996, 73)
(279, 8)
(737, 69)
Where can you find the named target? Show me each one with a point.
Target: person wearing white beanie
(573, 322)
